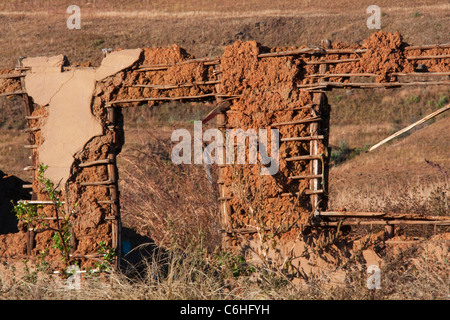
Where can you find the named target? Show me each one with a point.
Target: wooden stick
(12, 75)
(382, 222)
(341, 75)
(175, 86)
(202, 96)
(372, 85)
(332, 61)
(308, 138)
(428, 117)
(97, 183)
(311, 176)
(307, 120)
(155, 67)
(421, 74)
(43, 202)
(306, 192)
(311, 51)
(31, 129)
(221, 107)
(286, 53)
(15, 93)
(308, 157)
(34, 117)
(351, 214)
(430, 46)
(443, 56)
(350, 223)
(94, 163)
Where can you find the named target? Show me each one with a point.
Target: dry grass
(203, 27)
(412, 273)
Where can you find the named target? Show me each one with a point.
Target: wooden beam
(306, 120)
(15, 93)
(307, 157)
(307, 138)
(428, 117)
(441, 56)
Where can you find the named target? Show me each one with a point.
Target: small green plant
(98, 42)
(108, 254)
(412, 99)
(443, 100)
(237, 265)
(341, 153)
(28, 214)
(417, 14)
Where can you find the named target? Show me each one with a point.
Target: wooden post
(225, 209)
(318, 101)
(28, 107)
(113, 190)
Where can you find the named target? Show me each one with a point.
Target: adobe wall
(78, 111)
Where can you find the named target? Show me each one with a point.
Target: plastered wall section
(68, 96)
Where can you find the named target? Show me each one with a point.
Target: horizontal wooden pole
(97, 183)
(224, 198)
(332, 61)
(442, 56)
(307, 120)
(175, 86)
(310, 51)
(312, 176)
(362, 85)
(202, 96)
(155, 67)
(34, 117)
(428, 46)
(307, 138)
(307, 157)
(382, 222)
(15, 93)
(351, 214)
(40, 202)
(12, 75)
(27, 130)
(341, 75)
(94, 163)
(306, 192)
(287, 53)
(420, 74)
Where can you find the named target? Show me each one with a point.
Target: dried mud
(9, 85)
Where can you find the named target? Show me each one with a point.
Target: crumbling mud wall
(270, 99)
(265, 216)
